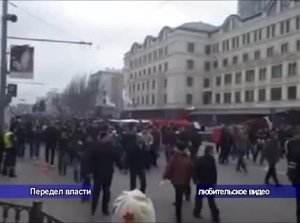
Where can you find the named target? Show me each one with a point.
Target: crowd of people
(91, 150)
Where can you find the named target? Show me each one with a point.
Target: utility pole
(5, 18)
(3, 62)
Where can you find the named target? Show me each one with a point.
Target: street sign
(21, 62)
(12, 90)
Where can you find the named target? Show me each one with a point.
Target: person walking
(272, 153)
(51, 139)
(104, 156)
(63, 144)
(179, 172)
(137, 161)
(240, 141)
(11, 153)
(205, 175)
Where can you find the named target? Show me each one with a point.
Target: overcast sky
(112, 26)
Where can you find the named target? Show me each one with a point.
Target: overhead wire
(57, 28)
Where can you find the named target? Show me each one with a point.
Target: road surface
(231, 210)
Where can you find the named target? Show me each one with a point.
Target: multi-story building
(245, 66)
(109, 85)
(162, 74)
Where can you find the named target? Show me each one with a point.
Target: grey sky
(111, 25)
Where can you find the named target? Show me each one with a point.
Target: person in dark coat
(195, 143)
(137, 161)
(20, 134)
(205, 174)
(272, 153)
(179, 172)
(63, 145)
(104, 156)
(51, 139)
(226, 144)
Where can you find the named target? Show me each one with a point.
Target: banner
(45, 191)
(21, 62)
(249, 191)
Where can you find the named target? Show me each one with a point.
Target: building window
(144, 72)
(153, 84)
(276, 94)
(155, 55)
(159, 68)
(149, 70)
(165, 82)
(133, 87)
(261, 94)
(228, 79)
(250, 75)
(206, 83)
(292, 69)
(276, 71)
(292, 92)
(191, 47)
(298, 22)
(281, 27)
(215, 64)
(249, 96)
(144, 59)
(255, 35)
(143, 100)
(235, 60)
(217, 98)
(238, 77)
(165, 99)
(138, 87)
(207, 49)
(147, 99)
(298, 45)
(268, 32)
(160, 53)
(225, 62)
(150, 57)
(260, 34)
(131, 76)
(189, 99)
(270, 51)
(166, 66)
(245, 57)
(287, 26)
(227, 98)
(148, 85)
(190, 64)
(189, 81)
(153, 99)
(138, 100)
(140, 73)
(238, 97)
(262, 74)
(207, 66)
(218, 81)
(257, 55)
(143, 86)
(284, 48)
(207, 98)
(273, 30)
(166, 50)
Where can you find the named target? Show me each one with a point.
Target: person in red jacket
(179, 172)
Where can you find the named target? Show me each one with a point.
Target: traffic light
(12, 90)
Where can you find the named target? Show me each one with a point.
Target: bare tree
(79, 96)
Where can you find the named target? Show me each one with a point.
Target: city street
(232, 210)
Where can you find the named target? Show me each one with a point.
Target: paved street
(232, 210)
